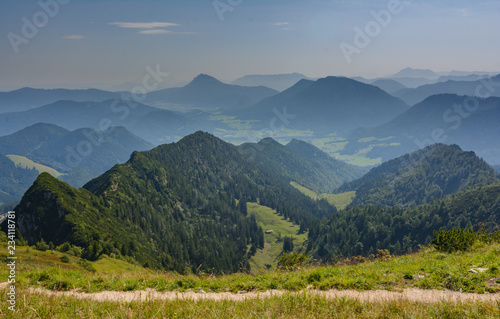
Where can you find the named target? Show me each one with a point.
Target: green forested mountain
(362, 230)
(79, 155)
(420, 177)
(335, 171)
(179, 206)
(303, 163)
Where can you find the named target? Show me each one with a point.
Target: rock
(241, 292)
(477, 270)
(201, 292)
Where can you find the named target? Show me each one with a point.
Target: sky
(111, 44)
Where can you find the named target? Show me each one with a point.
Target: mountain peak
(417, 73)
(204, 78)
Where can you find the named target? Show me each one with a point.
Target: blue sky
(107, 43)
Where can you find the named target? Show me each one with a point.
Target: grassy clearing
(340, 201)
(302, 305)
(334, 144)
(23, 162)
(304, 190)
(268, 219)
(428, 269)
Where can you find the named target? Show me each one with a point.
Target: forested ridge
(180, 206)
(421, 177)
(361, 230)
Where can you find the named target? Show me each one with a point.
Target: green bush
(290, 261)
(41, 245)
(65, 259)
(86, 265)
(454, 240)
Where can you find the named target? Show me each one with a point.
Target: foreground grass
(300, 305)
(428, 269)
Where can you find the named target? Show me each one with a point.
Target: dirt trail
(412, 294)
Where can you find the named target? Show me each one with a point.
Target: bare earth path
(412, 294)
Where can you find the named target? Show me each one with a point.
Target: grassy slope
(24, 162)
(340, 201)
(268, 219)
(427, 269)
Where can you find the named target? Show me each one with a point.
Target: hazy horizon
(76, 44)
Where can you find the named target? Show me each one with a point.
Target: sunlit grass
(24, 162)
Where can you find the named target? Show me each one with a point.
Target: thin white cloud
(154, 31)
(144, 25)
(74, 37)
(281, 23)
(161, 31)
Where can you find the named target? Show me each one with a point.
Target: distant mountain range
(439, 118)
(278, 82)
(415, 73)
(482, 87)
(325, 106)
(151, 124)
(205, 91)
(389, 85)
(29, 98)
(79, 155)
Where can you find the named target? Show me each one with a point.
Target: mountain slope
(30, 138)
(173, 207)
(136, 117)
(389, 85)
(207, 92)
(472, 88)
(326, 105)
(29, 98)
(302, 163)
(337, 172)
(14, 180)
(80, 155)
(362, 230)
(278, 82)
(413, 179)
(472, 123)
